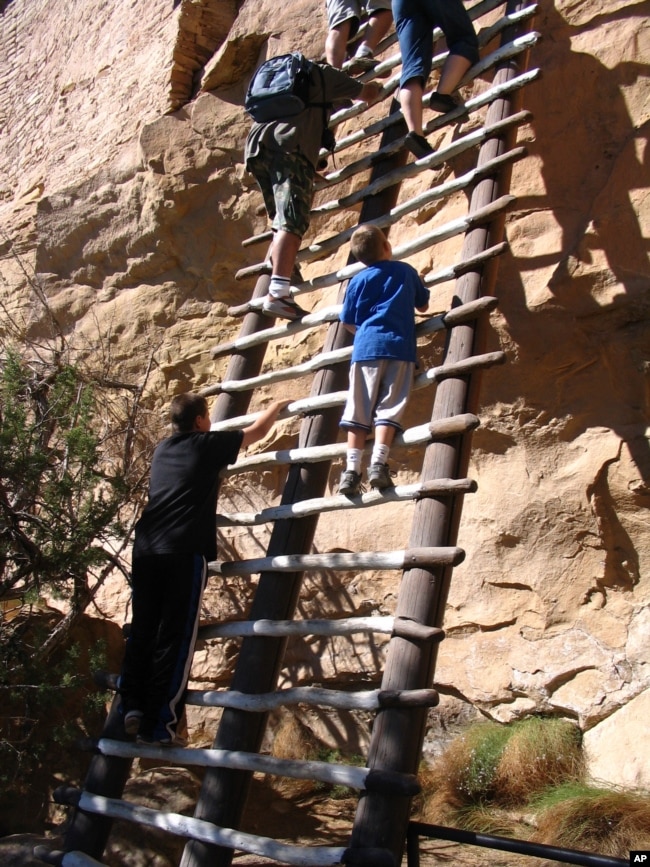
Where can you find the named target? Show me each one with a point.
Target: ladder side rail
(397, 735)
(224, 792)
(107, 775)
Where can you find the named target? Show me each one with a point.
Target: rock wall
(130, 220)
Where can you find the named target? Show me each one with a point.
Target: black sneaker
(350, 483)
(418, 145)
(379, 477)
(444, 102)
(132, 720)
(285, 308)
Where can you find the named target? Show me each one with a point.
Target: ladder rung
(424, 433)
(326, 314)
(206, 832)
(254, 270)
(345, 626)
(363, 779)
(320, 505)
(409, 558)
(399, 626)
(313, 696)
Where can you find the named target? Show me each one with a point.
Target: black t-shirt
(180, 515)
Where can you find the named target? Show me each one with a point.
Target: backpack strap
(328, 141)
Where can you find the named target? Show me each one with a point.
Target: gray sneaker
(285, 308)
(379, 477)
(359, 64)
(350, 483)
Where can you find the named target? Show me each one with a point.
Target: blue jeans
(414, 24)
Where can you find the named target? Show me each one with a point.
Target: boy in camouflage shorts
(282, 155)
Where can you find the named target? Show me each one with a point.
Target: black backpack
(280, 89)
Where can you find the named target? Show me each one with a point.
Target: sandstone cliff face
(131, 219)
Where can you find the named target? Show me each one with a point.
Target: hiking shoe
(286, 308)
(359, 64)
(132, 721)
(350, 483)
(444, 102)
(418, 145)
(379, 477)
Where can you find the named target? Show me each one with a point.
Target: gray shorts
(340, 11)
(379, 392)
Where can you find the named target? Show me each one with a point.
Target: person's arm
(263, 423)
(370, 92)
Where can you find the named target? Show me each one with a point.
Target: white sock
(353, 460)
(364, 51)
(380, 454)
(279, 287)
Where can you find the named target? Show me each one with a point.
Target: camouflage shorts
(287, 184)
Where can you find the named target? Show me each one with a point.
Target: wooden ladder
(388, 781)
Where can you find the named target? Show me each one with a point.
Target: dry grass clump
(468, 768)
(293, 741)
(492, 766)
(539, 753)
(608, 821)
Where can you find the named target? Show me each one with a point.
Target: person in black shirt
(175, 538)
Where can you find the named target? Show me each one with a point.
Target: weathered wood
(405, 628)
(323, 360)
(313, 696)
(331, 314)
(326, 772)
(318, 249)
(326, 314)
(462, 144)
(403, 251)
(340, 562)
(475, 102)
(320, 505)
(345, 626)
(461, 368)
(460, 268)
(411, 436)
(198, 829)
(223, 791)
(397, 738)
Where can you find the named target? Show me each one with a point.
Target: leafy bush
(73, 468)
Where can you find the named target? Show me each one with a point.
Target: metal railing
(416, 830)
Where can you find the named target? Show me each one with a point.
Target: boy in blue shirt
(379, 310)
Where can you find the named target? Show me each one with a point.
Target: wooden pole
(224, 791)
(107, 775)
(398, 735)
